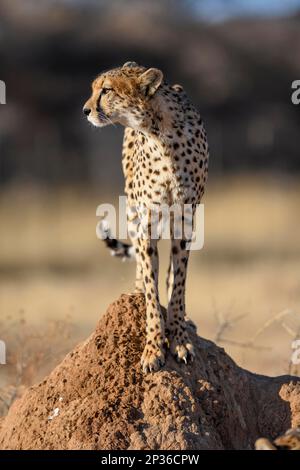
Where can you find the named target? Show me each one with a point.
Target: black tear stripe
(98, 107)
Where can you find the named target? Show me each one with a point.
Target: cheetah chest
(157, 179)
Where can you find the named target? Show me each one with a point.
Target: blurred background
(237, 60)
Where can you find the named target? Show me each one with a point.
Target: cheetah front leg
(133, 223)
(153, 356)
(180, 344)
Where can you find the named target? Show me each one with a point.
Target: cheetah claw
(152, 361)
(183, 352)
(150, 368)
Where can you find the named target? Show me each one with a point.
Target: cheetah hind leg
(179, 342)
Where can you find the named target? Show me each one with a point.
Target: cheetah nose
(86, 111)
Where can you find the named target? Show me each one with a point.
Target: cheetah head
(123, 95)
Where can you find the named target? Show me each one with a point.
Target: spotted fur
(165, 161)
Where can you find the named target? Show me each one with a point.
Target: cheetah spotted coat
(165, 161)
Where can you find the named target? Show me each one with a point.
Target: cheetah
(165, 161)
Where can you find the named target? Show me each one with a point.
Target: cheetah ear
(150, 81)
(129, 64)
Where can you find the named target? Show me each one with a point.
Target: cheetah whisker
(106, 119)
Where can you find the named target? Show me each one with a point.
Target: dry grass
(243, 289)
(32, 352)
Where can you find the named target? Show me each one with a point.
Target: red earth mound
(98, 398)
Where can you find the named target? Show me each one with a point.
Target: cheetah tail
(117, 248)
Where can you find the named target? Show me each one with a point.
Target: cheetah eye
(104, 91)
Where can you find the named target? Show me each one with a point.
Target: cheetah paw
(183, 352)
(153, 358)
